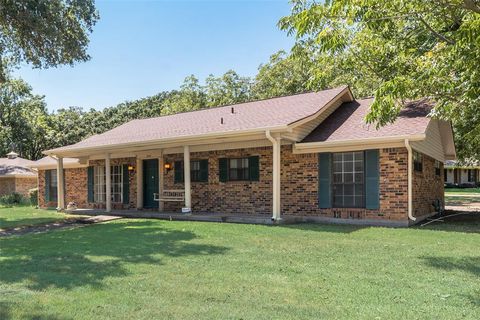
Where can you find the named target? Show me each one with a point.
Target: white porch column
(276, 175)
(108, 184)
(139, 183)
(60, 185)
(186, 175)
(160, 180)
(277, 167)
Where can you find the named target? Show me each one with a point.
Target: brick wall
(18, 185)
(7, 186)
(23, 185)
(230, 197)
(299, 180)
(299, 190)
(300, 187)
(427, 187)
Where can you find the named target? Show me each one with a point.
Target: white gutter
(306, 145)
(275, 176)
(410, 182)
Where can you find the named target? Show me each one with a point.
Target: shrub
(12, 199)
(33, 194)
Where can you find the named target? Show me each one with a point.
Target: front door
(150, 183)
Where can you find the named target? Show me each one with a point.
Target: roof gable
(257, 115)
(348, 123)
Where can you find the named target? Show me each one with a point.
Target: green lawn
(26, 215)
(462, 190)
(152, 269)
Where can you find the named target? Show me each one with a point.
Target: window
(116, 177)
(417, 161)
(117, 183)
(348, 180)
(52, 185)
(198, 171)
(437, 168)
(471, 175)
(238, 169)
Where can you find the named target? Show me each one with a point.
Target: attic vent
(12, 155)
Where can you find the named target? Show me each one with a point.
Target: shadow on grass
(86, 256)
(466, 264)
(465, 223)
(324, 227)
(6, 314)
(7, 224)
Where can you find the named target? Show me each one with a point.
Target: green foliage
(12, 199)
(33, 195)
(44, 33)
(400, 50)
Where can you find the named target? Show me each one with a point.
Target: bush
(33, 194)
(12, 199)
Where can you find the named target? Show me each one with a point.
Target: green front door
(150, 183)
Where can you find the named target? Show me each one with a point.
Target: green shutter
(223, 169)
(126, 185)
(204, 170)
(372, 182)
(324, 180)
(47, 185)
(91, 196)
(254, 168)
(178, 167)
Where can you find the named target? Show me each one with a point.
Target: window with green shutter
(198, 171)
(324, 180)
(51, 185)
(372, 179)
(239, 169)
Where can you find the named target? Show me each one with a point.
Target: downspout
(410, 182)
(275, 145)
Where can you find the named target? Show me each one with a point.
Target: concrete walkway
(65, 224)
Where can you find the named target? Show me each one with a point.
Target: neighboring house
(462, 173)
(308, 155)
(16, 176)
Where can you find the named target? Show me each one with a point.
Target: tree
(23, 120)
(401, 50)
(227, 89)
(282, 75)
(190, 97)
(44, 33)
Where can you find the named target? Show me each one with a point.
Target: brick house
(462, 174)
(16, 176)
(309, 156)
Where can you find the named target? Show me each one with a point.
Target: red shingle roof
(261, 114)
(348, 123)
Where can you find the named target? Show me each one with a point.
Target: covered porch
(150, 188)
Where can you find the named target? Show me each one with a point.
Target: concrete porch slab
(175, 216)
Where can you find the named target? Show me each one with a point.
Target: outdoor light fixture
(130, 167)
(167, 166)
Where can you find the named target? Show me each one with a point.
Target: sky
(139, 48)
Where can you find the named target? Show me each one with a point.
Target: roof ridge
(241, 103)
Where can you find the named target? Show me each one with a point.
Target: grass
(462, 190)
(152, 269)
(26, 215)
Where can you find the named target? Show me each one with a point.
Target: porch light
(167, 166)
(130, 167)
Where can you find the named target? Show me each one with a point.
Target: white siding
(432, 145)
